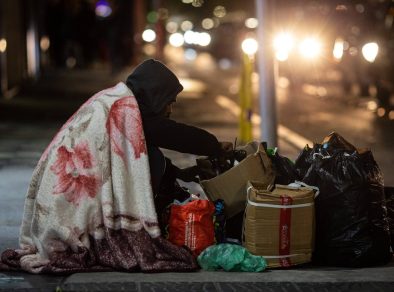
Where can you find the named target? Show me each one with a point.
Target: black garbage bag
(389, 194)
(234, 226)
(284, 168)
(351, 215)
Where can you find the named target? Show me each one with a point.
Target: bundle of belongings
(352, 227)
(328, 208)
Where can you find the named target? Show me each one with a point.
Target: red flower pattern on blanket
(99, 147)
(124, 122)
(69, 121)
(73, 168)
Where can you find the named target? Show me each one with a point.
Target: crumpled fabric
(89, 206)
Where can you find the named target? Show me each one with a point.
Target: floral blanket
(89, 206)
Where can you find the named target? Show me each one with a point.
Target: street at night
(312, 98)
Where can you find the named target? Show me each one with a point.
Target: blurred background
(333, 65)
(344, 42)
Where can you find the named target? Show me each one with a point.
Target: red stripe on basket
(284, 231)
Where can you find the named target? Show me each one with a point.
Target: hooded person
(156, 88)
(90, 204)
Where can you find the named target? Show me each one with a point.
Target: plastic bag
(231, 258)
(351, 217)
(191, 224)
(284, 168)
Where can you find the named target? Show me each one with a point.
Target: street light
(204, 39)
(249, 46)
(191, 37)
(370, 51)
(176, 39)
(338, 49)
(310, 48)
(149, 35)
(283, 44)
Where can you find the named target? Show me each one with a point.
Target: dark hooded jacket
(155, 86)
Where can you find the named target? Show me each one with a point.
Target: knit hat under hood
(154, 86)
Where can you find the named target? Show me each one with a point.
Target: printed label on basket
(284, 231)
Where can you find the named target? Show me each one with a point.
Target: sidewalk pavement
(21, 144)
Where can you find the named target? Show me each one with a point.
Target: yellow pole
(245, 100)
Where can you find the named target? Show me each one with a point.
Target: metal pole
(265, 66)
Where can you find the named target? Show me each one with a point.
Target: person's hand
(188, 174)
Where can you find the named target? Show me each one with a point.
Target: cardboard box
(230, 186)
(279, 225)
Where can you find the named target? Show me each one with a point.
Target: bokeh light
(251, 22)
(197, 38)
(190, 37)
(249, 46)
(186, 25)
(338, 49)
(283, 43)
(370, 51)
(44, 43)
(219, 11)
(197, 3)
(190, 54)
(152, 17)
(172, 26)
(207, 23)
(282, 55)
(3, 45)
(310, 48)
(381, 112)
(372, 105)
(148, 35)
(71, 62)
(204, 39)
(103, 9)
(225, 64)
(149, 49)
(176, 39)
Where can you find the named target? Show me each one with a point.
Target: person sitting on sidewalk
(155, 88)
(90, 204)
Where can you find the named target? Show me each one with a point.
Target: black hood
(154, 86)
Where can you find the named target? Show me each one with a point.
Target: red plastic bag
(192, 225)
